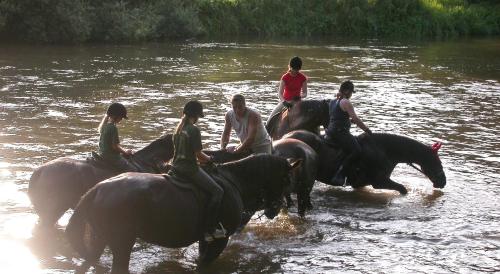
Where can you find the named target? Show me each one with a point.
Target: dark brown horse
(307, 115)
(58, 185)
(167, 213)
(380, 155)
(304, 176)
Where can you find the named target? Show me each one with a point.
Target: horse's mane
(162, 145)
(396, 140)
(251, 163)
(314, 103)
(397, 144)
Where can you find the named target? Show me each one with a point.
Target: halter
(435, 147)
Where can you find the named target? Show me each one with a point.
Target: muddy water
(53, 97)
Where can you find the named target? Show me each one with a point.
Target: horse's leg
(208, 252)
(289, 201)
(387, 183)
(121, 247)
(96, 247)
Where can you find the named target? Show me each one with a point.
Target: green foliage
(134, 20)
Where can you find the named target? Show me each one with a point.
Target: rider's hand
(368, 131)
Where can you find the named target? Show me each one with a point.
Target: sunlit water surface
(52, 99)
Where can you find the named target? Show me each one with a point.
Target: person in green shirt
(109, 142)
(187, 153)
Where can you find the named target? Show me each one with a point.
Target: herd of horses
(112, 209)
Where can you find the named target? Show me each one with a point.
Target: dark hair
(238, 98)
(346, 86)
(117, 110)
(193, 109)
(296, 63)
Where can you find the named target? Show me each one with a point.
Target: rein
(421, 171)
(415, 167)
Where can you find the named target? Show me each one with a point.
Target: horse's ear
(294, 162)
(436, 146)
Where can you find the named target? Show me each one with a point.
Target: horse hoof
(403, 191)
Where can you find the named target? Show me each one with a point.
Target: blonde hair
(104, 121)
(181, 124)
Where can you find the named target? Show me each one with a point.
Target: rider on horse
(293, 87)
(109, 142)
(341, 114)
(187, 150)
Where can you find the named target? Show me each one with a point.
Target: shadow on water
(48, 245)
(237, 258)
(361, 197)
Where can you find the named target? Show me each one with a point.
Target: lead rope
(415, 167)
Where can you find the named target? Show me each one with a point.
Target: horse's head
(313, 113)
(433, 168)
(279, 181)
(161, 149)
(263, 180)
(324, 113)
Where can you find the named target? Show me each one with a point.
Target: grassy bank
(122, 20)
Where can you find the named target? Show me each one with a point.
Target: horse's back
(59, 183)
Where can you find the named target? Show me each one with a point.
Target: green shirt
(109, 138)
(186, 143)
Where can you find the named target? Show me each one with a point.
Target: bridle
(431, 177)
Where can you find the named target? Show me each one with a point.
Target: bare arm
(281, 89)
(304, 90)
(202, 157)
(224, 140)
(119, 148)
(253, 122)
(346, 105)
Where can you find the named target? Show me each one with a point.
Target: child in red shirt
(293, 86)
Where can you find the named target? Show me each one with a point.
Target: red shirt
(293, 85)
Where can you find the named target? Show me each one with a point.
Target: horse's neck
(403, 149)
(239, 183)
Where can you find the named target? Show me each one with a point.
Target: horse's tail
(77, 227)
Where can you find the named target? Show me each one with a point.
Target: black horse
(380, 155)
(59, 184)
(162, 211)
(304, 176)
(307, 115)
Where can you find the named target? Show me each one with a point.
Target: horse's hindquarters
(149, 207)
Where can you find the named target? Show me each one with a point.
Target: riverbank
(131, 21)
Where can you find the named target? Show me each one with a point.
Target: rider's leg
(276, 111)
(353, 150)
(215, 193)
(125, 166)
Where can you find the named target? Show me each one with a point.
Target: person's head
(116, 112)
(238, 104)
(346, 89)
(295, 63)
(193, 109)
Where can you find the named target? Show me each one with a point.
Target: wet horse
(303, 176)
(161, 211)
(58, 185)
(380, 155)
(307, 115)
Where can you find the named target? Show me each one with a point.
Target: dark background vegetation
(75, 21)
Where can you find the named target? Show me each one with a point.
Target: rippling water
(53, 97)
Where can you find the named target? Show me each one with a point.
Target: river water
(53, 97)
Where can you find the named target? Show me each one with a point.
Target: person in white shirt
(249, 128)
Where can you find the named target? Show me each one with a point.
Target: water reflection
(53, 97)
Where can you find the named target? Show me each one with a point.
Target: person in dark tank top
(341, 113)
